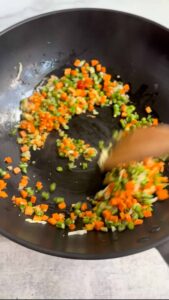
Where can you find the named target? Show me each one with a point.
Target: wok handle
(164, 251)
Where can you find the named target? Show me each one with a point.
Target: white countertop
(31, 275)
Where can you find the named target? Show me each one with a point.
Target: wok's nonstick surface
(133, 47)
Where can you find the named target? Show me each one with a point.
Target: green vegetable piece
(130, 225)
(22, 208)
(86, 220)
(23, 166)
(101, 145)
(84, 165)
(121, 227)
(2, 172)
(30, 191)
(59, 169)
(104, 229)
(58, 200)
(68, 221)
(60, 225)
(45, 195)
(52, 187)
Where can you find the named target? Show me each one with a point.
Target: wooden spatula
(136, 145)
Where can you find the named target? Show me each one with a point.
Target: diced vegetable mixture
(130, 190)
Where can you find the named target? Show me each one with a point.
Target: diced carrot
(59, 85)
(84, 206)
(162, 194)
(7, 176)
(33, 199)
(147, 213)
(130, 186)
(62, 205)
(89, 227)
(73, 216)
(39, 185)
(126, 88)
(77, 62)
(98, 225)
(114, 219)
(24, 194)
(114, 201)
(94, 62)
(98, 68)
(2, 184)
(88, 213)
(3, 194)
(44, 207)
(103, 69)
(37, 218)
(107, 214)
(67, 71)
(16, 170)
(20, 201)
(138, 222)
(52, 221)
(74, 72)
(72, 226)
(155, 121)
(128, 217)
(45, 218)
(148, 109)
(24, 148)
(8, 160)
(23, 133)
(29, 210)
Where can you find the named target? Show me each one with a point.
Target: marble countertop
(31, 275)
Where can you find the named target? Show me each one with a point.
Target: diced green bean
(52, 187)
(45, 195)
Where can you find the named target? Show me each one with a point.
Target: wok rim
(73, 255)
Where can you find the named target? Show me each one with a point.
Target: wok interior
(132, 47)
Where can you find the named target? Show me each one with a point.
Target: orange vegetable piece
(84, 206)
(67, 71)
(16, 170)
(89, 227)
(3, 194)
(138, 222)
(7, 176)
(72, 226)
(155, 121)
(62, 205)
(29, 210)
(98, 225)
(23, 193)
(77, 62)
(107, 214)
(94, 62)
(37, 218)
(24, 148)
(162, 194)
(52, 221)
(148, 109)
(98, 68)
(39, 185)
(33, 199)
(45, 218)
(73, 216)
(44, 207)
(2, 184)
(8, 160)
(147, 213)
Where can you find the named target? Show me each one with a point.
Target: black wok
(131, 46)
